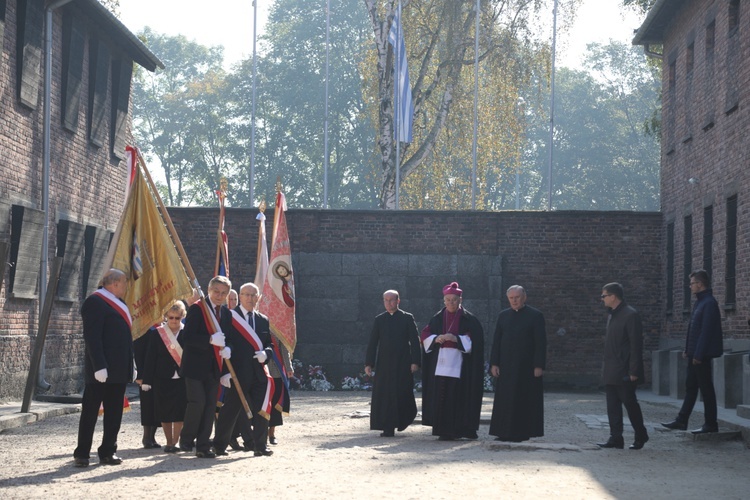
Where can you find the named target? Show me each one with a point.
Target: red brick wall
(86, 186)
(717, 158)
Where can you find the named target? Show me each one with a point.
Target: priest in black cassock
(395, 352)
(518, 358)
(453, 370)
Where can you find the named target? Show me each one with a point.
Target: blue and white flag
(404, 109)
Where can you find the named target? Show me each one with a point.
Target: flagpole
(191, 274)
(398, 114)
(476, 115)
(552, 109)
(252, 114)
(325, 118)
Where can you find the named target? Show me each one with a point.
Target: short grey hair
(514, 288)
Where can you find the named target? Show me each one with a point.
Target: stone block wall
(344, 260)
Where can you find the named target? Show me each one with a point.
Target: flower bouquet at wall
(361, 382)
(312, 378)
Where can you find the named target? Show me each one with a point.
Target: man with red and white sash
(108, 366)
(250, 340)
(202, 359)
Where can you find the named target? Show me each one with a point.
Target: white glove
(101, 375)
(226, 352)
(217, 339)
(145, 387)
(261, 356)
(224, 380)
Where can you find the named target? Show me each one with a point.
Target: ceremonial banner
(261, 265)
(278, 301)
(143, 249)
(404, 111)
(222, 244)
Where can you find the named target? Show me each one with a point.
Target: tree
(440, 47)
(290, 108)
(604, 158)
(175, 119)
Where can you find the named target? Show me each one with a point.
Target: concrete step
(743, 411)
(722, 435)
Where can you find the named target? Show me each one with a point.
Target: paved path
(326, 450)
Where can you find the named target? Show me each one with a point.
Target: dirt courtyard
(326, 450)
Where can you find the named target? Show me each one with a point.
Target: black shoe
(386, 434)
(706, 429)
(221, 453)
(110, 460)
(80, 462)
(263, 453)
(638, 443)
(205, 454)
(675, 425)
(446, 438)
(185, 447)
(235, 445)
(171, 449)
(272, 439)
(612, 443)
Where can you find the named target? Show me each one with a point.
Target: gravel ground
(326, 450)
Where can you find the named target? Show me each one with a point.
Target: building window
(27, 226)
(734, 17)
(74, 41)
(98, 81)
(710, 40)
(708, 239)
(70, 244)
(672, 75)
(690, 58)
(96, 242)
(670, 267)
(730, 277)
(687, 264)
(29, 51)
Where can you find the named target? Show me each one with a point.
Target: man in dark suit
(250, 358)
(108, 366)
(623, 367)
(201, 366)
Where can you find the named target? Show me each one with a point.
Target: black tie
(218, 312)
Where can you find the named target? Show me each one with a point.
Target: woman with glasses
(161, 374)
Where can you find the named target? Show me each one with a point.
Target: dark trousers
(233, 413)
(699, 378)
(624, 395)
(199, 414)
(111, 397)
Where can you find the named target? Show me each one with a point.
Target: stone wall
(344, 260)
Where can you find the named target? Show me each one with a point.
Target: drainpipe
(41, 382)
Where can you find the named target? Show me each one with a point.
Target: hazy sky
(230, 23)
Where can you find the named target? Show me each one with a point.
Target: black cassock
(519, 346)
(393, 348)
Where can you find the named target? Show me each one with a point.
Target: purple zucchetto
(452, 289)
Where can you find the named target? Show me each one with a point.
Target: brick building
(80, 200)
(705, 181)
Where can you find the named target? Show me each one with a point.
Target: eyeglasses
(604, 295)
(694, 283)
(174, 317)
(249, 294)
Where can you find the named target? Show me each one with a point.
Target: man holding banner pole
(250, 339)
(202, 363)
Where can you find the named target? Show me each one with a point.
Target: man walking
(703, 343)
(623, 367)
(395, 352)
(108, 366)
(518, 359)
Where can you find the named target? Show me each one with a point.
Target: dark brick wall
(710, 146)
(562, 258)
